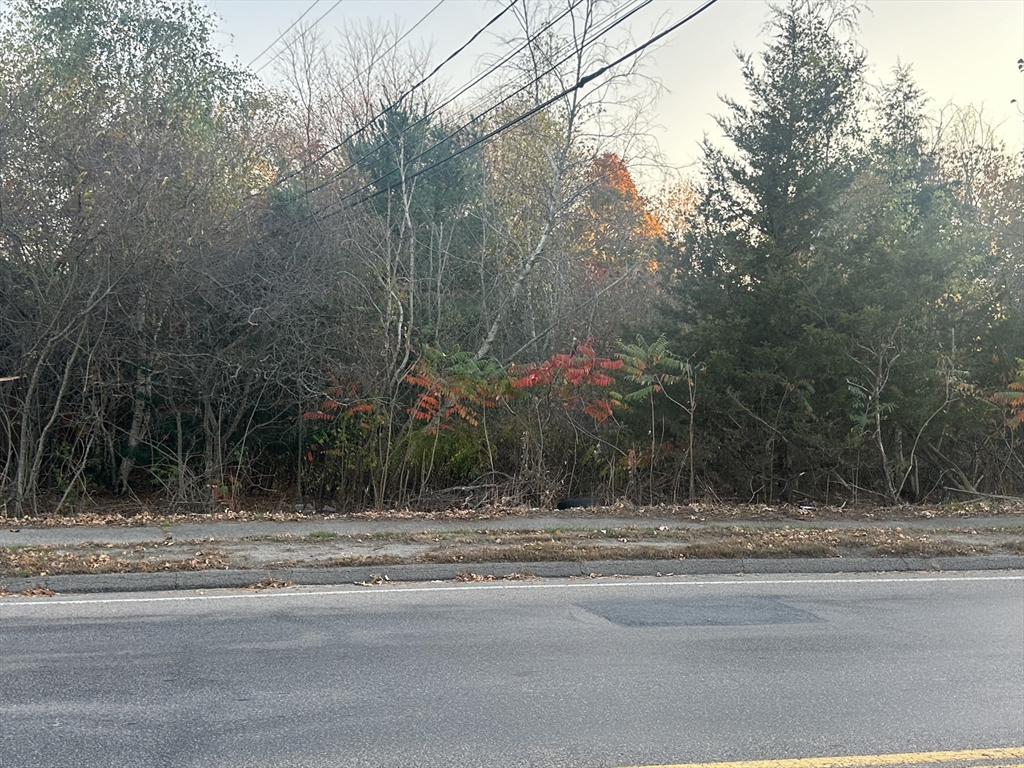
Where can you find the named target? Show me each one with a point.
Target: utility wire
(394, 45)
(278, 55)
(487, 73)
(399, 100)
(475, 109)
(459, 50)
(259, 55)
(531, 112)
(609, 22)
(579, 84)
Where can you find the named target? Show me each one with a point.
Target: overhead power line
(277, 39)
(570, 50)
(454, 97)
(393, 46)
(337, 205)
(278, 55)
(604, 26)
(408, 92)
(533, 111)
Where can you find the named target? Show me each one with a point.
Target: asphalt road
(552, 673)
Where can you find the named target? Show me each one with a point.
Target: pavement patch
(699, 612)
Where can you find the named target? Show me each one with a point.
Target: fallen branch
(983, 495)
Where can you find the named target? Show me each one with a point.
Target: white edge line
(313, 592)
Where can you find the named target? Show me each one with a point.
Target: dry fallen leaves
(125, 513)
(38, 592)
(375, 580)
(43, 561)
(269, 583)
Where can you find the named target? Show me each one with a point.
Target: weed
(1016, 547)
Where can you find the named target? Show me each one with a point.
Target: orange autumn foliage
(1013, 398)
(570, 376)
(613, 175)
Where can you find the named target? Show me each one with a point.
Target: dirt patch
(336, 551)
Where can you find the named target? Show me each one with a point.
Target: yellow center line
(864, 761)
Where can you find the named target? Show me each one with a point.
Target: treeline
(359, 289)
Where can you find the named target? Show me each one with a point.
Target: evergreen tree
(746, 286)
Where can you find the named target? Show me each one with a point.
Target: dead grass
(47, 561)
(733, 548)
(547, 552)
(347, 561)
(717, 543)
(1014, 547)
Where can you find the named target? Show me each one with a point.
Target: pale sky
(964, 51)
